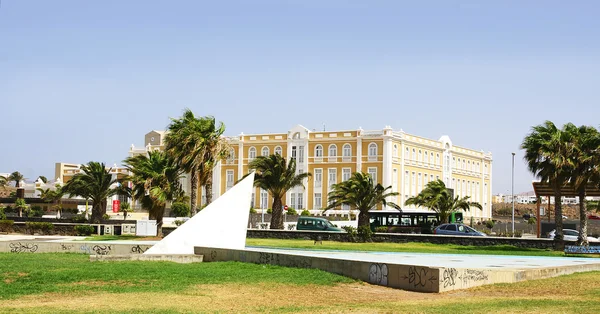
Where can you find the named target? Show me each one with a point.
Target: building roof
(544, 189)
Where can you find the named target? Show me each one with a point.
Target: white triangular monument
(222, 224)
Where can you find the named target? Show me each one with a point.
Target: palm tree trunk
(194, 192)
(558, 238)
(98, 210)
(159, 220)
(277, 213)
(582, 240)
(208, 187)
(363, 217)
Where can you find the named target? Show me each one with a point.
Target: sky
(83, 80)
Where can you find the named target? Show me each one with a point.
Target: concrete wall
(96, 248)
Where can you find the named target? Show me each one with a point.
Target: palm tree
(3, 182)
(21, 205)
(54, 196)
(155, 181)
(361, 193)
(17, 177)
(275, 175)
(586, 162)
(439, 199)
(546, 153)
(94, 183)
(196, 145)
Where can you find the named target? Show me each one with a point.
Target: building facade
(393, 158)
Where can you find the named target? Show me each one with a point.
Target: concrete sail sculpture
(222, 224)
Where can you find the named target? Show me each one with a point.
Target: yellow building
(404, 161)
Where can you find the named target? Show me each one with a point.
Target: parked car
(595, 217)
(457, 229)
(527, 216)
(316, 224)
(571, 235)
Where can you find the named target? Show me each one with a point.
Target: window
(413, 185)
(229, 179)
(425, 179)
(437, 159)
(373, 173)
(395, 152)
(420, 155)
(332, 153)
(278, 150)
(346, 174)
(293, 200)
(486, 169)
(477, 193)
(318, 151)
(231, 157)
(419, 183)
(372, 151)
(451, 227)
(406, 184)
(265, 151)
(332, 179)
(414, 154)
(464, 188)
(347, 152)
(300, 201)
(453, 162)
(318, 178)
(453, 183)
(301, 154)
(463, 165)
(263, 199)
(252, 200)
(294, 152)
(426, 157)
(458, 165)
(318, 201)
(431, 178)
(469, 166)
(468, 188)
(478, 169)
(407, 153)
(251, 153)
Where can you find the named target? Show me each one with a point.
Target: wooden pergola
(544, 189)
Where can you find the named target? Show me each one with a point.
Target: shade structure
(222, 224)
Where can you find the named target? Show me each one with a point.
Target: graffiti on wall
(268, 258)
(449, 277)
(378, 274)
(138, 249)
(473, 275)
(23, 247)
(419, 276)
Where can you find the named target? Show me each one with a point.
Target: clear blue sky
(83, 80)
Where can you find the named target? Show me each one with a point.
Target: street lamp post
(513, 193)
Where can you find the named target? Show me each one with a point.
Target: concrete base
(412, 271)
(177, 258)
(87, 247)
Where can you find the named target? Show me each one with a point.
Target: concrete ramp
(412, 271)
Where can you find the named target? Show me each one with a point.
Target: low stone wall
(176, 258)
(404, 238)
(96, 248)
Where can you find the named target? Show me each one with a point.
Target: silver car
(571, 235)
(457, 229)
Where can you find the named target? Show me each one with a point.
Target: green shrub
(106, 216)
(352, 233)
(79, 219)
(6, 225)
(10, 209)
(35, 211)
(269, 211)
(365, 233)
(291, 211)
(2, 214)
(531, 221)
(178, 222)
(84, 230)
(518, 233)
(252, 210)
(489, 224)
(487, 232)
(305, 213)
(39, 226)
(381, 229)
(180, 209)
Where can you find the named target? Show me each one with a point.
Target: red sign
(285, 207)
(116, 206)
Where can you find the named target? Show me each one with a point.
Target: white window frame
(264, 199)
(251, 153)
(346, 174)
(395, 152)
(331, 177)
(332, 152)
(372, 171)
(278, 150)
(300, 154)
(318, 175)
(318, 201)
(318, 153)
(373, 151)
(265, 151)
(300, 202)
(229, 179)
(347, 152)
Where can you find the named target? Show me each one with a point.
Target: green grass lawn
(70, 283)
(403, 247)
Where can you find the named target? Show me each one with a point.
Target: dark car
(315, 223)
(457, 229)
(527, 216)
